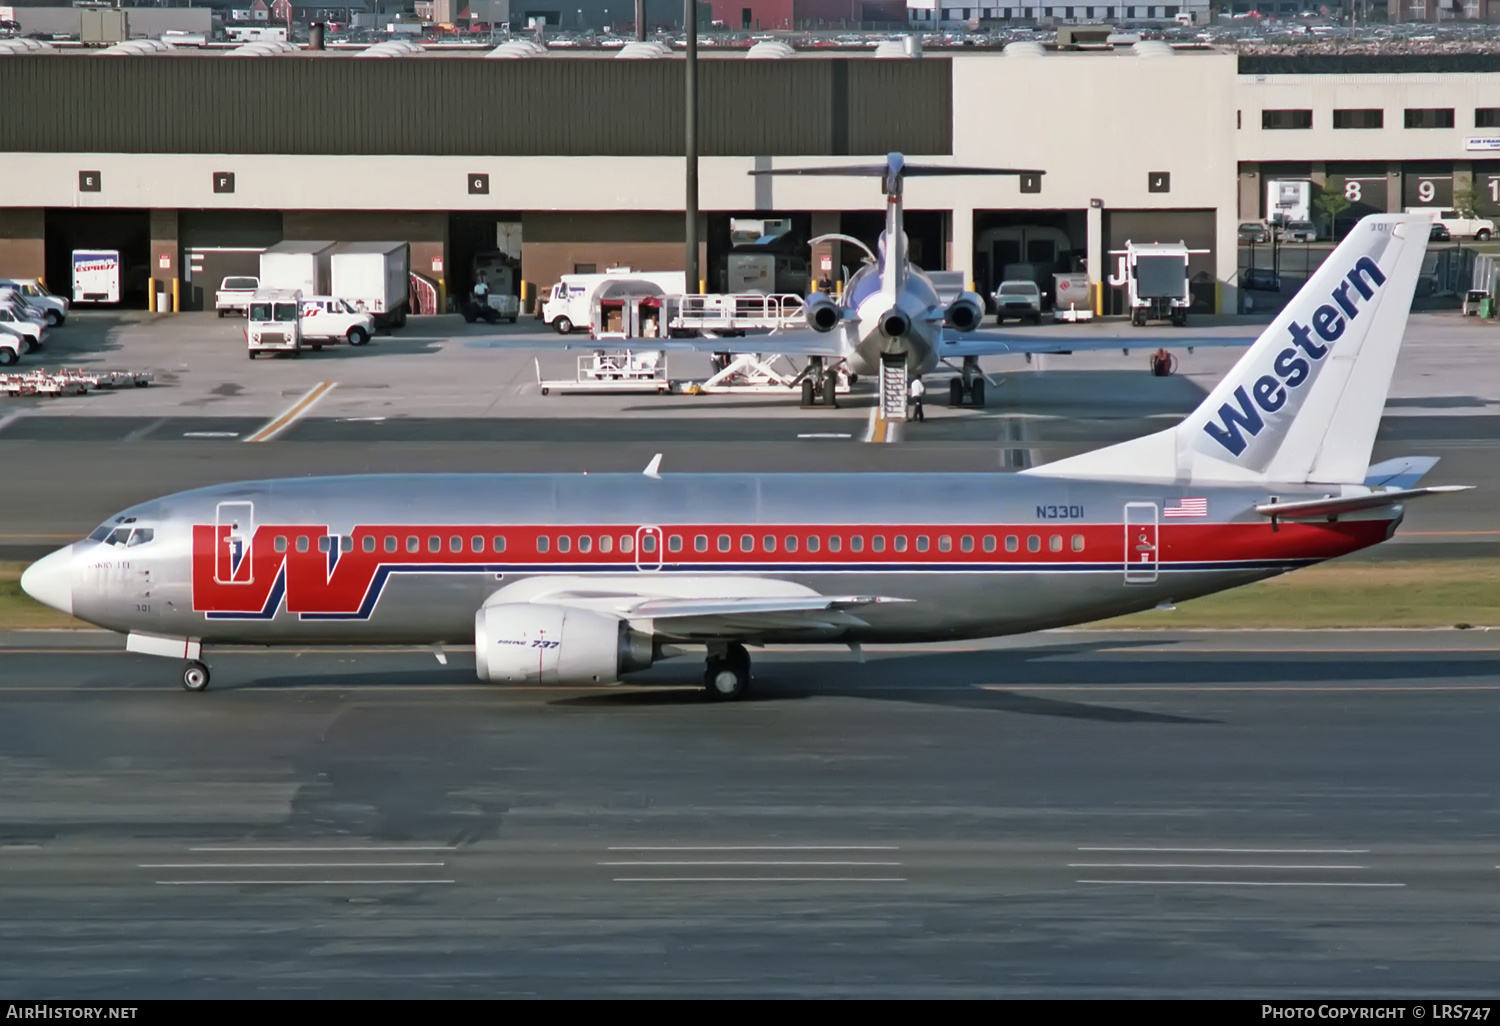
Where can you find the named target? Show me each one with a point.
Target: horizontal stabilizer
(1402, 472)
(909, 170)
(1334, 506)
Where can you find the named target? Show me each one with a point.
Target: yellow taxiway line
(293, 414)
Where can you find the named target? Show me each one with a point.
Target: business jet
(581, 579)
(893, 322)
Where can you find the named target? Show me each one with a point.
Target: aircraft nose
(50, 580)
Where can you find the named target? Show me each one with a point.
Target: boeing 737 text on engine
(582, 579)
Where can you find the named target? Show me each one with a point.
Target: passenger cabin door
(232, 562)
(648, 548)
(1140, 542)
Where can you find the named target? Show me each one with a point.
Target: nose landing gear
(195, 676)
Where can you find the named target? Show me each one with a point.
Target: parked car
(1018, 299)
(234, 294)
(1254, 231)
(15, 320)
(1439, 232)
(1260, 279)
(1300, 231)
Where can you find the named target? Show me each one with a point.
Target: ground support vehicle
(1073, 298)
(761, 372)
(1156, 276)
(492, 308)
(15, 320)
(53, 308)
(273, 324)
(10, 349)
(372, 277)
(96, 276)
(1018, 299)
(68, 380)
(328, 320)
(722, 316)
(618, 371)
(234, 295)
(570, 304)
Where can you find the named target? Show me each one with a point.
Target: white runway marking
(288, 865)
(1195, 865)
(1243, 851)
(760, 879)
(208, 434)
(733, 863)
(294, 883)
(826, 434)
(1238, 883)
(300, 848)
(757, 847)
(293, 413)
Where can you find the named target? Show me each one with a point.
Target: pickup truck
(234, 295)
(328, 319)
(1458, 226)
(1019, 299)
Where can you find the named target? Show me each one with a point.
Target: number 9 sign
(1426, 190)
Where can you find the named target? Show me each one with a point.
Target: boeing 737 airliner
(579, 579)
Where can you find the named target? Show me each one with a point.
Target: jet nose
(50, 580)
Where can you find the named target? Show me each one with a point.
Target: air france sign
(1254, 403)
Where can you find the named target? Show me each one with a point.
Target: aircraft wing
(713, 610)
(788, 343)
(977, 343)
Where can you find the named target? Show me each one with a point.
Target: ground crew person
(915, 391)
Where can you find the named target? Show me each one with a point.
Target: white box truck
(375, 278)
(96, 276)
(304, 267)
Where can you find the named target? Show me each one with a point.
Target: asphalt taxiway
(1254, 814)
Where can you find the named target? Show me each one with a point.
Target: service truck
(1458, 225)
(1157, 280)
(304, 267)
(570, 304)
(96, 276)
(374, 277)
(273, 324)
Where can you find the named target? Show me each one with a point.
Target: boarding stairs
(714, 315)
(893, 387)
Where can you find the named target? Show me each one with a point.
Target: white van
(55, 308)
(570, 304)
(273, 324)
(328, 319)
(1458, 226)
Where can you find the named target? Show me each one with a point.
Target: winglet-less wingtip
(653, 469)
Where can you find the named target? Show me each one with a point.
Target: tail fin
(1304, 402)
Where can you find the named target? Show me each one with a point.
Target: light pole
(690, 142)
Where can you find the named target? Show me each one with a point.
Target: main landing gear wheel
(727, 677)
(809, 393)
(830, 391)
(195, 676)
(956, 393)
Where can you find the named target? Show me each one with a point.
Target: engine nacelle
(965, 313)
(823, 312)
(531, 643)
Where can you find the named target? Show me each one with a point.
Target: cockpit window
(120, 536)
(141, 536)
(100, 533)
(103, 532)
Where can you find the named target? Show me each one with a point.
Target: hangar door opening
(487, 244)
(927, 235)
(127, 232)
(758, 251)
(1196, 228)
(219, 244)
(1027, 245)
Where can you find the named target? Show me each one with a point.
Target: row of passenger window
(676, 543)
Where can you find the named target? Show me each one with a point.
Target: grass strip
(1410, 593)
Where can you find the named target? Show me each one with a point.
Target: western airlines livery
(575, 579)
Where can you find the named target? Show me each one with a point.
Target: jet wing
(788, 343)
(1333, 506)
(709, 611)
(709, 619)
(977, 343)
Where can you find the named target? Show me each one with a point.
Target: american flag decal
(1187, 508)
